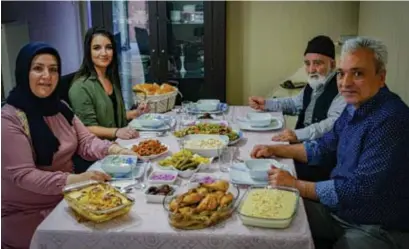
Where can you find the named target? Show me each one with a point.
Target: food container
(160, 98)
(178, 161)
(157, 198)
(151, 123)
(122, 166)
(259, 119)
(258, 168)
(199, 144)
(163, 177)
(150, 145)
(203, 178)
(207, 105)
(208, 129)
(191, 216)
(78, 198)
(278, 206)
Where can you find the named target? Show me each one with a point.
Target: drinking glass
(232, 113)
(186, 104)
(226, 157)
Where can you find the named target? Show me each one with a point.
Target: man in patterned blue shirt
(365, 204)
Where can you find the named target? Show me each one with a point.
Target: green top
(93, 106)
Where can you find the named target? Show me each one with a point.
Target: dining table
(146, 226)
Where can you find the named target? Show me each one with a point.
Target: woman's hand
(116, 149)
(141, 109)
(126, 133)
(89, 175)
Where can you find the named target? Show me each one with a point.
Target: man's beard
(315, 80)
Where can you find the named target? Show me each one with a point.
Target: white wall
(389, 22)
(266, 40)
(54, 22)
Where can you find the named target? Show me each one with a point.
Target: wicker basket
(157, 103)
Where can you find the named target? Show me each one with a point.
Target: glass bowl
(194, 217)
(285, 206)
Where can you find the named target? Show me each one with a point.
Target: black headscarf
(44, 142)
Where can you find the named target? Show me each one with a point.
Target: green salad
(207, 128)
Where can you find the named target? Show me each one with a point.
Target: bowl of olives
(156, 193)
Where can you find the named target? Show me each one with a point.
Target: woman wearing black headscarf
(39, 135)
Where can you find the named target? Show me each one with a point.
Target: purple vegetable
(206, 180)
(162, 176)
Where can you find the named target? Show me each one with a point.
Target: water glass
(232, 117)
(226, 157)
(142, 180)
(186, 104)
(181, 143)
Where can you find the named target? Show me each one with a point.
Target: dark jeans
(312, 173)
(331, 232)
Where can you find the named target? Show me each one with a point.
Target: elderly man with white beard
(319, 104)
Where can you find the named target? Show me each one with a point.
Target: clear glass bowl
(201, 220)
(269, 222)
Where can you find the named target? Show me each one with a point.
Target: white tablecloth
(147, 227)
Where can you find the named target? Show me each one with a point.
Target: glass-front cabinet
(182, 42)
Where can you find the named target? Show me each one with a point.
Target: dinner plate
(168, 124)
(276, 124)
(238, 139)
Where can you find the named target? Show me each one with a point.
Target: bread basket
(158, 102)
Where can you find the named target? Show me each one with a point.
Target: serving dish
(185, 163)
(202, 205)
(96, 201)
(269, 207)
(122, 166)
(205, 145)
(162, 177)
(158, 195)
(149, 149)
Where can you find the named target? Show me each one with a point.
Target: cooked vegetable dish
(206, 128)
(184, 160)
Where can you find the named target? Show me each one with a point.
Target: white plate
(238, 139)
(169, 122)
(148, 157)
(276, 124)
(239, 174)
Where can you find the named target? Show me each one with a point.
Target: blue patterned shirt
(370, 183)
